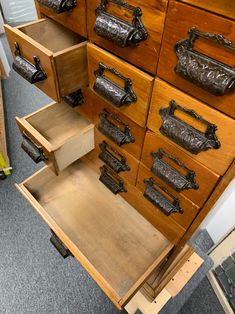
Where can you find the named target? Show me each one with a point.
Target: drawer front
(197, 61)
(111, 26)
(73, 16)
(122, 85)
(114, 157)
(200, 131)
(177, 170)
(164, 199)
(117, 127)
(223, 7)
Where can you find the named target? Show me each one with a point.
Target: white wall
(221, 218)
(18, 11)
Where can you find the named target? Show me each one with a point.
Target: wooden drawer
(178, 170)
(113, 124)
(223, 7)
(112, 28)
(113, 156)
(61, 52)
(122, 85)
(204, 68)
(57, 135)
(180, 126)
(173, 205)
(116, 245)
(72, 16)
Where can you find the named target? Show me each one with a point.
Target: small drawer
(177, 170)
(198, 55)
(200, 131)
(70, 13)
(122, 85)
(164, 199)
(222, 7)
(118, 128)
(57, 135)
(50, 56)
(114, 157)
(131, 29)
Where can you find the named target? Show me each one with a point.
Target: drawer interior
(51, 35)
(115, 244)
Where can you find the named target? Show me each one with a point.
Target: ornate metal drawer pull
(58, 6)
(112, 158)
(113, 131)
(186, 135)
(74, 99)
(119, 31)
(59, 245)
(159, 200)
(170, 175)
(34, 151)
(114, 184)
(206, 72)
(30, 72)
(117, 95)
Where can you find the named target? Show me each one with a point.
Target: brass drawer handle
(203, 71)
(186, 135)
(112, 129)
(33, 73)
(119, 31)
(155, 196)
(170, 175)
(34, 151)
(58, 6)
(114, 184)
(59, 246)
(112, 158)
(109, 90)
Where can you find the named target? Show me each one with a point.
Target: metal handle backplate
(109, 179)
(59, 246)
(74, 99)
(34, 151)
(58, 6)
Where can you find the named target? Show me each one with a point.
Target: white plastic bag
(18, 11)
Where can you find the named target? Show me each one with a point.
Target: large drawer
(198, 55)
(114, 125)
(178, 170)
(205, 134)
(57, 135)
(124, 86)
(61, 65)
(136, 39)
(72, 15)
(117, 246)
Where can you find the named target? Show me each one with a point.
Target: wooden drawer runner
(215, 155)
(57, 135)
(204, 68)
(62, 56)
(128, 89)
(113, 30)
(112, 241)
(175, 168)
(120, 129)
(185, 211)
(74, 19)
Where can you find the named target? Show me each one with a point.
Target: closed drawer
(112, 241)
(177, 170)
(223, 7)
(202, 132)
(164, 199)
(196, 57)
(114, 27)
(118, 128)
(61, 66)
(114, 157)
(122, 85)
(71, 13)
(57, 135)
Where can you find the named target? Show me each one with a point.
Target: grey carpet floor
(33, 277)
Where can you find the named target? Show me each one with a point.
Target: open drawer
(57, 135)
(50, 56)
(114, 243)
